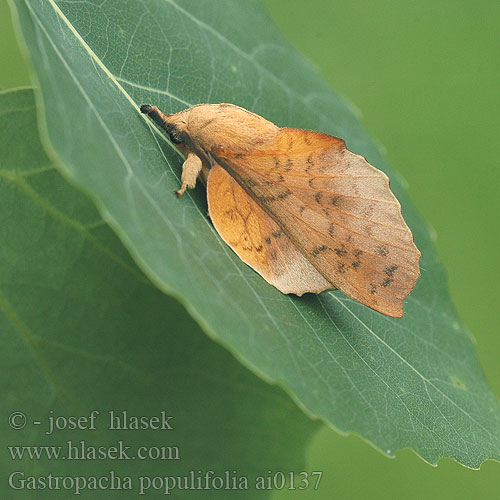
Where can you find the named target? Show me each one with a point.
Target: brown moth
(296, 205)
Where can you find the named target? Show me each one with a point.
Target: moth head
(174, 124)
(174, 133)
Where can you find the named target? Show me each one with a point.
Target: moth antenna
(155, 114)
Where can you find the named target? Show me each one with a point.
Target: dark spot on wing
(280, 178)
(386, 282)
(335, 200)
(239, 155)
(355, 264)
(389, 270)
(383, 251)
(358, 253)
(341, 252)
(331, 229)
(309, 162)
(307, 139)
(276, 162)
(277, 234)
(373, 288)
(317, 197)
(289, 165)
(316, 251)
(251, 183)
(268, 240)
(301, 209)
(310, 182)
(284, 194)
(341, 268)
(259, 248)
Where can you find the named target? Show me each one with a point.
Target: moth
(296, 205)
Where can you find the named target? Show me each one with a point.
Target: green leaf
(82, 329)
(411, 382)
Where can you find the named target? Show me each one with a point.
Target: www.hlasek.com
(193, 480)
(81, 450)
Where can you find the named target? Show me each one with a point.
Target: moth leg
(190, 171)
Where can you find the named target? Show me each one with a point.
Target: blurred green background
(425, 76)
